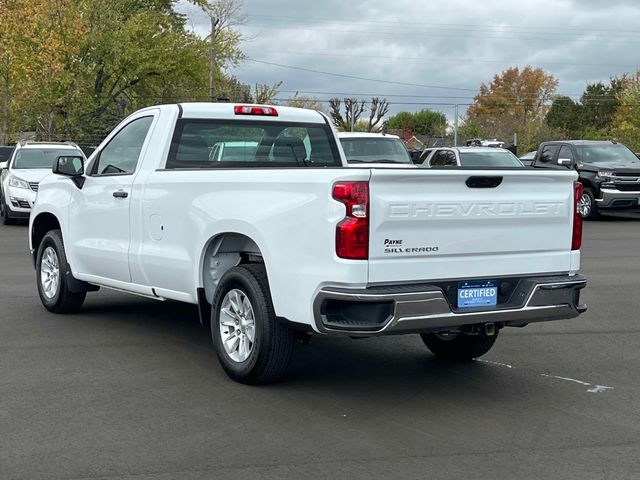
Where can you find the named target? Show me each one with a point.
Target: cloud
(449, 44)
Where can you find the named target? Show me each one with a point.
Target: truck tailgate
(450, 224)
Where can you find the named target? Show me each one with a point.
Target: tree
(626, 121)
(36, 40)
(514, 102)
(302, 101)
(599, 104)
(224, 39)
(422, 122)
(265, 93)
(565, 115)
(353, 110)
(378, 109)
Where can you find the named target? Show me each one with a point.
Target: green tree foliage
(599, 104)
(74, 68)
(626, 121)
(565, 115)
(423, 122)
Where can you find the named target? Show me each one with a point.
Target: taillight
(576, 241)
(252, 110)
(352, 233)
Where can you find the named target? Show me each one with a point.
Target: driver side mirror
(69, 166)
(565, 162)
(3, 165)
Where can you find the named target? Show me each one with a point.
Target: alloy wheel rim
(237, 325)
(584, 205)
(49, 273)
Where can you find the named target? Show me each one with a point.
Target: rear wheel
(252, 345)
(458, 347)
(52, 270)
(587, 206)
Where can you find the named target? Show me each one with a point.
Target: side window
(443, 158)
(548, 153)
(120, 156)
(565, 152)
(439, 159)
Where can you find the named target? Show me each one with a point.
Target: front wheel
(252, 345)
(6, 219)
(458, 347)
(52, 270)
(587, 206)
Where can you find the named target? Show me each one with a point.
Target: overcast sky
(429, 52)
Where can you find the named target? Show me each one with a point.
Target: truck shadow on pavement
(382, 366)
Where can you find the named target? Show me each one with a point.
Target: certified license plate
(482, 293)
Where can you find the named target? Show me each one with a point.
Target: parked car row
(608, 171)
(20, 176)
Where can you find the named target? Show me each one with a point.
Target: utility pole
(212, 59)
(455, 126)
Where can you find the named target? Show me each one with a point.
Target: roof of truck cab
(207, 110)
(365, 135)
(579, 142)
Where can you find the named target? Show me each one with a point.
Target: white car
(374, 150)
(21, 174)
(469, 157)
(286, 241)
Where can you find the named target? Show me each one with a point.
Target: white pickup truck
(284, 240)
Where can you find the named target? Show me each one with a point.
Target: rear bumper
(425, 308)
(616, 199)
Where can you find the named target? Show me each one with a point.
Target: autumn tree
(515, 101)
(626, 120)
(36, 41)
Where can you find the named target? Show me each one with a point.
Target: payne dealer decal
(395, 246)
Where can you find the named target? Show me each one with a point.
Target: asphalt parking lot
(130, 388)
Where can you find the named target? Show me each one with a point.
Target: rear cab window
(203, 144)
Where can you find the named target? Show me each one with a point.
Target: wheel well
(223, 252)
(43, 223)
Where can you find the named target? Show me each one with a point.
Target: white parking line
(593, 388)
(494, 363)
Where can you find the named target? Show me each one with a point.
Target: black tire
(61, 300)
(273, 341)
(593, 213)
(6, 219)
(459, 347)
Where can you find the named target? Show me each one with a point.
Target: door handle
(120, 194)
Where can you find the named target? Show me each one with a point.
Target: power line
(447, 25)
(361, 78)
(584, 39)
(444, 60)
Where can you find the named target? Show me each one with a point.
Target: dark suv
(609, 172)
